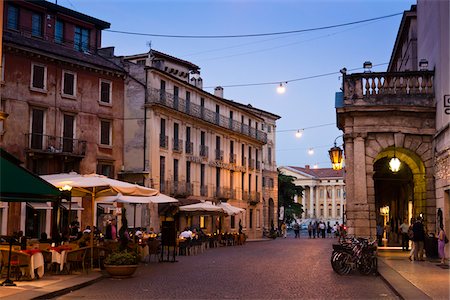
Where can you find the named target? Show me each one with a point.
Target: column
(325, 204)
(303, 204)
(342, 203)
(333, 202)
(311, 201)
(317, 203)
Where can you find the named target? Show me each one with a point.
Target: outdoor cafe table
(36, 263)
(59, 255)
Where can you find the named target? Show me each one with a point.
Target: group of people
(321, 230)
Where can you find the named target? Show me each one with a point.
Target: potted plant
(121, 264)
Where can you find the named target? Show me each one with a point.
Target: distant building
(324, 192)
(61, 106)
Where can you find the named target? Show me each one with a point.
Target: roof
(251, 107)
(50, 48)
(164, 55)
(63, 10)
(320, 172)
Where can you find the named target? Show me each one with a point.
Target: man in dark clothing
(418, 239)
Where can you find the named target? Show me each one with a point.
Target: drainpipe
(145, 119)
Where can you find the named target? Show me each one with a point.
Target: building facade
(323, 195)
(61, 103)
(402, 113)
(191, 144)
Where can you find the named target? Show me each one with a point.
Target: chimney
(107, 52)
(307, 167)
(196, 80)
(218, 91)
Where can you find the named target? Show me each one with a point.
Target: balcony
(163, 141)
(161, 97)
(258, 165)
(179, 188)
(221, 193)
(244, 161)
(204, 151)
(254, 198)
(204, 191)
(414, 88)
(189, 147)
(177, 145)
(251, 164)
(232, 158)
(218, 155)
(55, 145)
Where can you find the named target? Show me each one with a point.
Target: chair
(47, 259)
(18, 260)
(154, 248)
(75, 259)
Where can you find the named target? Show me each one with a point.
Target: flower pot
(118, 271)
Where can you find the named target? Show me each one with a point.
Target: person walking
(419, 239)
(314, 228)
(403, 230)
(310, 227)
(283, 229)
(380, 232)
(296, 230)
(441, 244)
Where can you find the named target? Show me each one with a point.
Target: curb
(68, 289)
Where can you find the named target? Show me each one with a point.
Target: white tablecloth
(36, 263)
(59, 258)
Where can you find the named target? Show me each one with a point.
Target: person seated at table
(85, 238)
(186, 234)
(87, 230)
(22, 240)
(44, 238)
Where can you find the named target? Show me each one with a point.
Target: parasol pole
(92, 230)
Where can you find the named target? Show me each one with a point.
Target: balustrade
(55, 144)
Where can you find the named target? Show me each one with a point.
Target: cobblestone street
(276, 269)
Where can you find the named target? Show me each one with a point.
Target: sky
(307, 103)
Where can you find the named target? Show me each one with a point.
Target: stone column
(342, 204)
(311, 201)
(333, 202)
(317, 202)
(303, 205)
(325, 204)
(358, 208)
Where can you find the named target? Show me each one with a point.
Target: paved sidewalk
(48, 286)
(414, 279)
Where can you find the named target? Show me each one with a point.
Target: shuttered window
(38, 74)
(13, 18)
(105, 132)
(69, 80)
(105, 91)
(36, 25)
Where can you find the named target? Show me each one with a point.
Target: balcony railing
(177, 145)
(163, 141)
(55, 144)
(232, 158)
(179, 188)
(251, 164)
(222, 193)
(414, 88)
(218, 155)
(189, 147)
(204, 151)
(204, 190)
(258, 165)
(161, 97)
(254, 198)
(244, 161)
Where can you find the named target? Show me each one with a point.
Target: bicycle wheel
(340, 262)
(366, 264)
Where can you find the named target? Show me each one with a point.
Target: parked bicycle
(355, 253)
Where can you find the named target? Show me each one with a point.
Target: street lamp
(336, 156)
(299, 133)
(281, 89)
(394, 164)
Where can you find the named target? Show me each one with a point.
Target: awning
(39, 205)
(17, 184)
(106, 206)
(73, 206)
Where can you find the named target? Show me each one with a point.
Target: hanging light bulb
(281, 89)
(310, 151)
(316, 166)
(299, 133)
(394, 164)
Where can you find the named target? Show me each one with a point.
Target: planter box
(117, 271)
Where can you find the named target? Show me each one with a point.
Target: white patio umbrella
(230, 209)
(159, 198)
(204, 206)
(96, 185)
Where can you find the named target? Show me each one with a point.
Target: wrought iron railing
(204, 151)
(177, 145)
(163, 141)
(179, 188)
(55, 144)
(189, 147)
(161, 97)
(222, 193)
(218, 155)
(232, 158)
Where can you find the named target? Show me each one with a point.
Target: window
(250, 219)
(188, 101)
(141, 62)
(203, 222)
(269, 129)
(269, 154)
(232, 222)
(69, 83)
(105, 168)
(188, 172)
(68, 133)
(38, 77)
(36, 25)
(175, 170)
(13, 18)
(162, 173)
(105, 132)
(59, 32)
(338, 192)
(37, 128)
(258, 217)
(105, 91)
(81, 39)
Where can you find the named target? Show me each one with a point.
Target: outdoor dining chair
(75, 259)
(18, 261)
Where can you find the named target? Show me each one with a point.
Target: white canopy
(159, 198)
(230, 209)
(204, 206)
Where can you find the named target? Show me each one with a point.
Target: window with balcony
(12, 21)
(242, 184)
(249, 182)
(188, 172)
(69, 83)
(81, 39)
(162, 174)
(217, 114)
(162, 134)
(189, 144)
(203, 189)
(250, 218)
(59, 32)
(175, 170)
(105, 132)
(176, 100)
(68, 132)
(188, 102)
(105, 91)
(202, 108)
(37, 128)
(38, 77)
(176, 137)
(269, 155)
(36, 25)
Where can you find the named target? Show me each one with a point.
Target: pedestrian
(387, 229)
(336, 229)
(442, 240)
(296, 230)
(419, 239)
(283, 230)
(410, 236)
(403, 230)
(310, 227)
(328, 229)
(314, 228)
(322, 229)
(380, 232)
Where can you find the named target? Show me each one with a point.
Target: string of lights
(252, 34)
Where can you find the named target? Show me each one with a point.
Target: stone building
(323, 192)
(191, 144)
(61, 103)
(401, 113)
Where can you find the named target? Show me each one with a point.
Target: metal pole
(8, 281)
